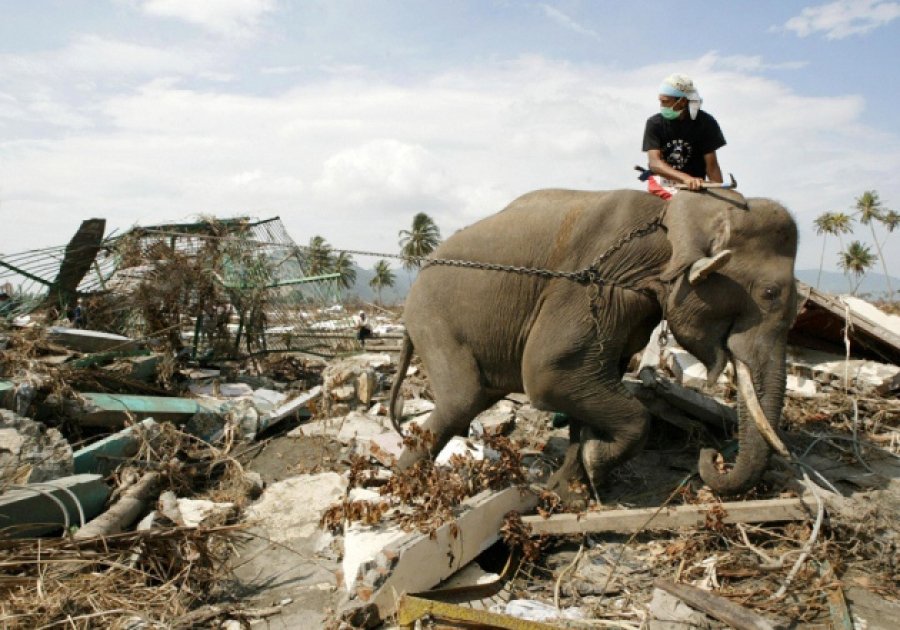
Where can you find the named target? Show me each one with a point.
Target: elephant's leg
(459, 395)
(611, 427)
(613, 432)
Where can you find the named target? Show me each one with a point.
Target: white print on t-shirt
(678, 153)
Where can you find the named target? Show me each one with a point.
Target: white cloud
(95, 56)
(58, 87)
(231, 18)
(567, 22)
(756, 63)
(353, 159)
(843, 18)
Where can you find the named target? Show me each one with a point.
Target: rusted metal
(446, 615)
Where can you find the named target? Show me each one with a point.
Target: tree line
(857, 258)
(415, 243)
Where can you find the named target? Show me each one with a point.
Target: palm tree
(836, 224)
(890, 220)
(869, 208)
(420, 241)
(823, 228)
(318, 256)
(383, 277)
(343, 264)
(857, 259)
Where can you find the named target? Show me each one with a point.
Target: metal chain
(587, 276)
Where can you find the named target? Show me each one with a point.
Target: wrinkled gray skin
(482, 334)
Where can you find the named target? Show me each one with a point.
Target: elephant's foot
(569, 482)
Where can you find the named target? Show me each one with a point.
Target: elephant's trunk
(755, 430)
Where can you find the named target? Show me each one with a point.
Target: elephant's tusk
(745, 387)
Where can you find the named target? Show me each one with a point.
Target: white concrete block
(801, 386)
(292, 508)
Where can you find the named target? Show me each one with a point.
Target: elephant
(487, 319)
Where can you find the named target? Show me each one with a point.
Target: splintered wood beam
(417, 562)
(716, 606)
(675, 517)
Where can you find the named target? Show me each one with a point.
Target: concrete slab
(30, 452)
(836, 371)
(89, 340)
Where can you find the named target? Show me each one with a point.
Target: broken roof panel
(823, 320)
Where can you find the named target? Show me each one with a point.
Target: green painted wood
(26, 512)
(103, 456)
(112, 410)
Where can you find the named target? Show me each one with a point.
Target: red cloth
(654, 187)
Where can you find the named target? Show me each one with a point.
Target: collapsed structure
(232, 287)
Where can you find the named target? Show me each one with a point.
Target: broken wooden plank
(113, 410)
(674, 517)
(29, 511)
(417, 561)
(296, 405)
(691, 402)
(837, 603)
(717, 606)
(80, 255)
(413, 609)
(81, 340)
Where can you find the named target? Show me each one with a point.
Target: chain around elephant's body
(589, 276)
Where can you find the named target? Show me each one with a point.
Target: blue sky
(347, 117)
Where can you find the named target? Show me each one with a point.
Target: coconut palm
(836, 224)
(383, 277)
(823, 225)
(857, 259)
(343, 264)
(870, 211)
(318, 256)
(420, 241)
(890, 220)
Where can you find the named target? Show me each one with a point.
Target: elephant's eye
(771, 292)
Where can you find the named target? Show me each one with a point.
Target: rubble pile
(145, 485)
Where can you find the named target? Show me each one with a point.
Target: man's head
(677, 93)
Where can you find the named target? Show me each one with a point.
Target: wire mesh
(232, 287)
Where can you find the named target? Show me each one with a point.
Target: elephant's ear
(698, 233)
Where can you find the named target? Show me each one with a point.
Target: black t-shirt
(683, 143)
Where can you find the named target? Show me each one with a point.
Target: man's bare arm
(713, 172)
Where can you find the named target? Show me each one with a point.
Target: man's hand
(693, 183)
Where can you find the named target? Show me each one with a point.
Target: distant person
(363, 329)
(79, 315)
(681, 140)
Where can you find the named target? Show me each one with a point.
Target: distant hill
(391, 295)
(873, 284)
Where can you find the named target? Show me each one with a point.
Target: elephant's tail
(396, 402)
